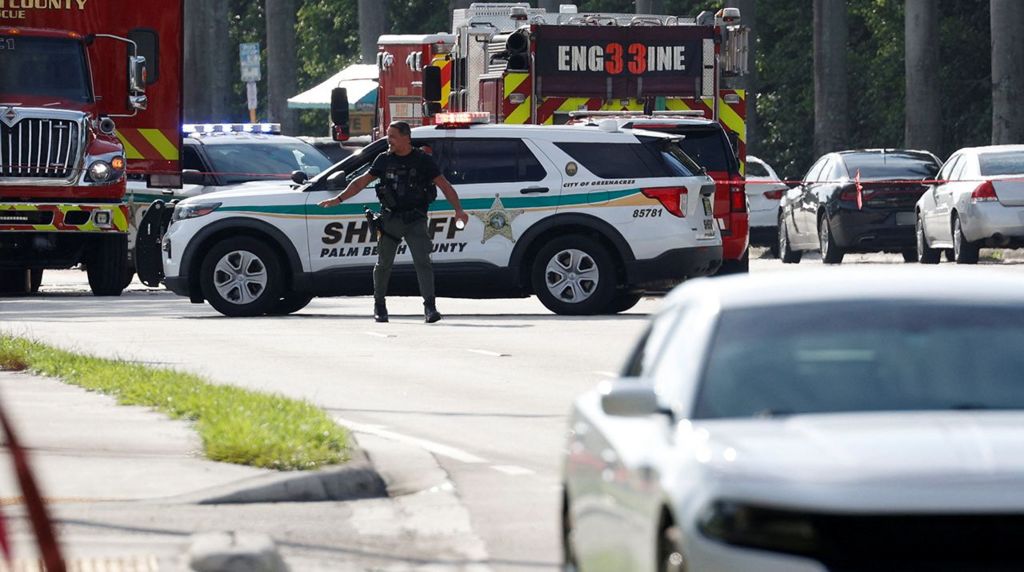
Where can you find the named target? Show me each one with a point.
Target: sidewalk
(104, 468)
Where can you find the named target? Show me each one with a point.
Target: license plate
(906, 218)
(707, 206)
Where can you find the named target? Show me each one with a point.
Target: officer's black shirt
(411, 176)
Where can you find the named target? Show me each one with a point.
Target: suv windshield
(864, 356)
(240, 163)
(44, 67)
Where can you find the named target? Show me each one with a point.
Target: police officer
(406, 188)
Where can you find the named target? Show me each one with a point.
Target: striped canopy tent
(359, 79)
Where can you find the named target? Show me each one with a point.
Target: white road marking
(487, 353)
(436, 448)
(606, 374)
(512, 470)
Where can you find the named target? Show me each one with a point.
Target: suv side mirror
(193, 177)
(299, 177)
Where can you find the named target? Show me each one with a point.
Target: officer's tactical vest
(402, 188)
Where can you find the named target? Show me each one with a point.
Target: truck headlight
(99, 172)
(182, 212)
(777, 530)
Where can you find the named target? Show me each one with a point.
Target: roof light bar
(462, 118)
(206, 128)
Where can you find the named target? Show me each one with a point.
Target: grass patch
(235, 425)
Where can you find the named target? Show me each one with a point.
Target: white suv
(588, 220)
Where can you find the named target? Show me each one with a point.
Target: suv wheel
(242, 277)
(831, 253)
(290, 303)
(623, 301)
(574, 275)
(740, 266)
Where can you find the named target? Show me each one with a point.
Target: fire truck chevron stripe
(521, 114)
(161, 143)
(130, 152)
(513, 81)
(732, 120)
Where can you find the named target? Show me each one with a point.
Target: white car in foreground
(809, 421)
(977, 201)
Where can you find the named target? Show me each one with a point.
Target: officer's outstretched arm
(350, 191)
(452, 196)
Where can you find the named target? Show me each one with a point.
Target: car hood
(257, 192)
(920, 447)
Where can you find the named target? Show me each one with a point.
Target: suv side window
(474, 161)
(618, 160)
(191, 160)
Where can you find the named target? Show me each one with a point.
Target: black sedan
(855, 201)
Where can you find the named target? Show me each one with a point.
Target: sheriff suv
(588, 220)
(226, 156)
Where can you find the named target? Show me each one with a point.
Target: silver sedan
(978, 200)
(809, 421)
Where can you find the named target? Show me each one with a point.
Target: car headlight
(182, 212)
(760, 527)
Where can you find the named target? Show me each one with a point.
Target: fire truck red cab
(90, 93)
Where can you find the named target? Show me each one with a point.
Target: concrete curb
(356, 479)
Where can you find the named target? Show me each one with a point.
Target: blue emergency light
(208, 128)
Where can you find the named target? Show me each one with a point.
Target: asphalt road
(486, 390)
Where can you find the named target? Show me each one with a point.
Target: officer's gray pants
(415, 235)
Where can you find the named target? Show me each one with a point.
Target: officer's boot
(380, 311)
(430, 313)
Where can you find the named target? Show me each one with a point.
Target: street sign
(250, 58)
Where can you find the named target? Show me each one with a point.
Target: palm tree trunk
(282, 63)
(923, 128)
(830, 85)
(373, 21)
(1007, 71)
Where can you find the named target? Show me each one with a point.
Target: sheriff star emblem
(498, 220)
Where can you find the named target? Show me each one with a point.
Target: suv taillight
(984, 193)
(737, 199)
(672, 198)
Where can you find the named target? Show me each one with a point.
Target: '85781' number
(646, 213)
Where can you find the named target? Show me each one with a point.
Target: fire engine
(90, 93)
(525, 65)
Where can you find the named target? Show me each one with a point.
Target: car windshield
(44, 67)
(900, 166)
(240, 163)
(1003, 163)
(864, 356)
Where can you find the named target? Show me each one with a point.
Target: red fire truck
(90, 93)
(526, 65)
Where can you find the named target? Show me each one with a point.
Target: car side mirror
(628, 397)
(299, 177)
(193, 177)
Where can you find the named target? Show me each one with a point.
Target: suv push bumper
(674, 266)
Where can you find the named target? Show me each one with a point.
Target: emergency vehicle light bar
(204, 128)
(462, 118)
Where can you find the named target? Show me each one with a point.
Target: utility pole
(373, 22)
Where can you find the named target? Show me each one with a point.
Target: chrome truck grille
(40, 148)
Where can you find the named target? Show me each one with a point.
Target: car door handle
(531, 190)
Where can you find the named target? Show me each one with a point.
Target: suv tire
(107, 263)
(290, 303)
(242, 276)
(623, 301)
(740, 266)
(574, 275)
